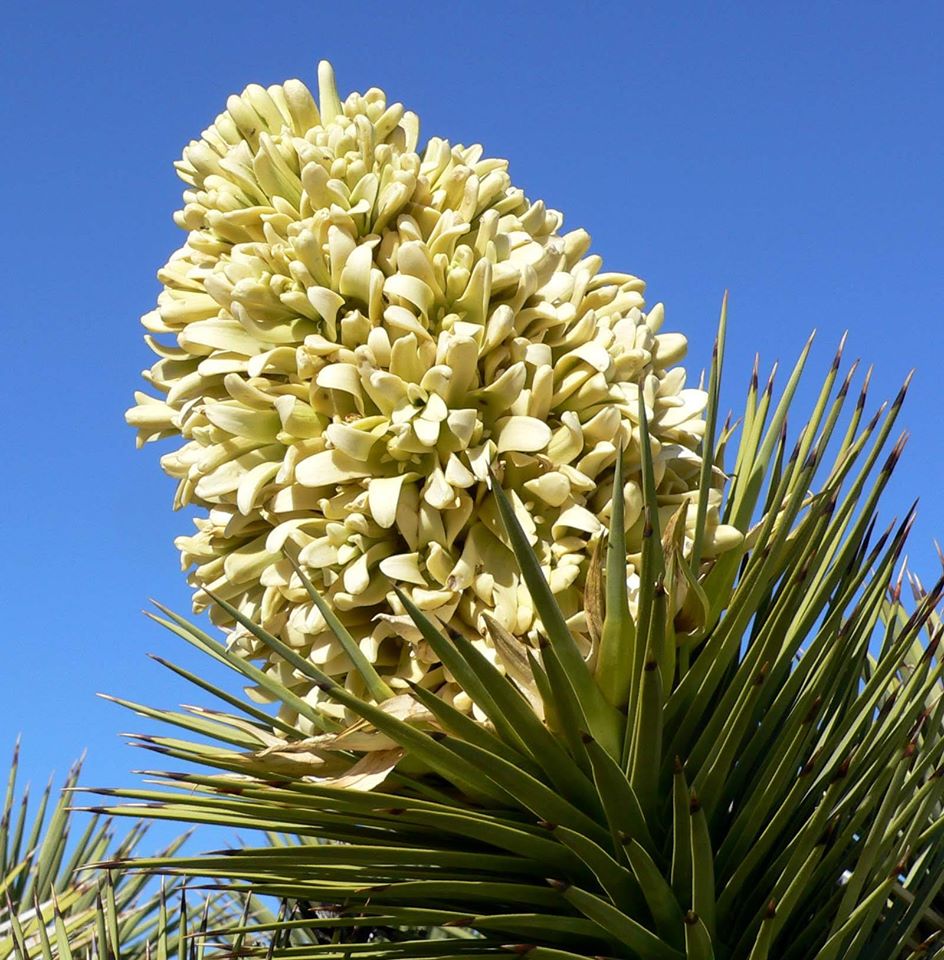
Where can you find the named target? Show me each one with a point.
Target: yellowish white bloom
(354, 334)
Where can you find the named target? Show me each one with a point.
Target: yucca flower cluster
(356, 334)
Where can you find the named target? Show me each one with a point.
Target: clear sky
(791, 152)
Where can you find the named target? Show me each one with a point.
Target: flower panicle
(354, 333)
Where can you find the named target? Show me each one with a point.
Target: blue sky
(789, 152)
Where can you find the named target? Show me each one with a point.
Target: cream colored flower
(352, 336)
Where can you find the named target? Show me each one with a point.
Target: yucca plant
(64, 894)
(53, 903)
(747, 764)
